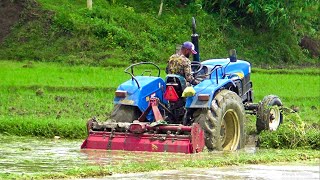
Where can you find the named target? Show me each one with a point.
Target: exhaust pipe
(195, 40)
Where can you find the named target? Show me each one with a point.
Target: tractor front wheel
(269, 115)
(223, 123)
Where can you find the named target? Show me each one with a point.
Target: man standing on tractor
(179, 63)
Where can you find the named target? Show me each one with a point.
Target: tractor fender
(139, 95)
(207, 87)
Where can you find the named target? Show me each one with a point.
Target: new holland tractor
(154, 114)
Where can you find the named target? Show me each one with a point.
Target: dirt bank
(10, 13)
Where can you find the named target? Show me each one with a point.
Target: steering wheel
(196, 67)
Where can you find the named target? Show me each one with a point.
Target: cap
(189, 45)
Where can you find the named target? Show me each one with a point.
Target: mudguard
(208, 86)
(139, 95)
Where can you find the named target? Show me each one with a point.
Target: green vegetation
(293, 133)
(119, 32)
(203, 160)
(266, 14)
(49, 99)
(85, 52)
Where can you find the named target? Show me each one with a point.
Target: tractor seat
(178, 82)
(172, 84)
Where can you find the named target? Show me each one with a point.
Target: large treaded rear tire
(124, 113)
(269, 116)
(223, 123)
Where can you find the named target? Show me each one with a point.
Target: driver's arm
(187, 73)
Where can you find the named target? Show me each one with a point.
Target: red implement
(143, 137)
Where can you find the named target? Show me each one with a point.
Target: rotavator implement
(150, 113)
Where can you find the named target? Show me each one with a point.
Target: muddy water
(30, 155)
(261, 172)
(33, 155)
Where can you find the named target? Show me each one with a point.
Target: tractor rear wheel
(223, 123)
(269, 116)
(125, 113)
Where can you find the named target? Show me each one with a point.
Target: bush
(291, 134)
(75, 34)
(313, 138)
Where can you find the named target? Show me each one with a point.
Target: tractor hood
(217, 80)
(240, 66)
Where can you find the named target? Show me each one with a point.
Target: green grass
(51, 93)
(40, 74)
(295, 87)
(34, 95)
(35, 74)
(36, 101)
(298, 90)
(50, 99)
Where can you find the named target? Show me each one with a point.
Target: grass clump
(48, 127)
(292, 133)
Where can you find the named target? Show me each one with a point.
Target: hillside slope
(122, 32)
(9, 15)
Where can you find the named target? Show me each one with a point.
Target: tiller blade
(140, 136)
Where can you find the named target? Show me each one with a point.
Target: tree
(89, 4)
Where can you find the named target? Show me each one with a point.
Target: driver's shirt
(179, 64)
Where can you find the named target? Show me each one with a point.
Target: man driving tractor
(179, 63)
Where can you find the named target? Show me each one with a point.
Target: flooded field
(34, 155)
(262, 172)
(31, 155)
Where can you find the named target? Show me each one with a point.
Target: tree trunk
(160, 9)
(89, 4)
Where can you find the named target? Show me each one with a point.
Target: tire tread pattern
(210, 119)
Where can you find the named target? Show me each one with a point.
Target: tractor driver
(179, 63)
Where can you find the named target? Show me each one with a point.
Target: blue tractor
(152, 108)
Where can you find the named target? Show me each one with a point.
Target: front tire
(223, 123)
(269, 115)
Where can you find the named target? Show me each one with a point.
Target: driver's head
(187, 49)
